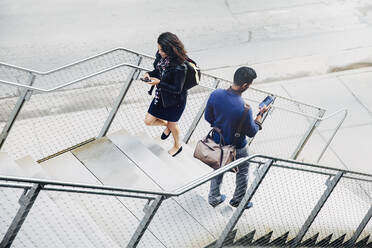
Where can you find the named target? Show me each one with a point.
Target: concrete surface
(351, 89)
(282, 39)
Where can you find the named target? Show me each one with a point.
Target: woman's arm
(174, 81)
(155, 73)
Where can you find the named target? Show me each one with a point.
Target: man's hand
(261, 113)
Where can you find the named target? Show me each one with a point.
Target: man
(225, 110)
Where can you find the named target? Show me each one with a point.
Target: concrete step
(36, 228)
(77, 224)
(165, 175)
(186, 229)
(195, 201)
(111, 167)
(109, 214)
(190, 168)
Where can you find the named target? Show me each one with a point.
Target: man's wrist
(258, 123)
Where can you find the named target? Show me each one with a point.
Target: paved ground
(283, 40)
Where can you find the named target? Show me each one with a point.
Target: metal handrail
(43, 73)
(146, 69)
(177, 192)
(73, 81)
(134, 52)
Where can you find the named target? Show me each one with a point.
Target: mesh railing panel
(86, 68)
(8, 207)
(344, 210)
(277, 207)
(132, 111)
(60, 219)
(49, 123)
(14, 75)
(177, 227)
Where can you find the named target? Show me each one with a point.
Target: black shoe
(179, 150)
(247, 206)
(165, 136)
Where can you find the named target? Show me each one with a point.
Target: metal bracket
(145, 222)
(28, 95)
(24, 197)
(147, 206)
(328, 181)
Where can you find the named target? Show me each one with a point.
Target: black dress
(170, 98)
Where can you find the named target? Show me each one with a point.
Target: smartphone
(145, 79)
(266, 102)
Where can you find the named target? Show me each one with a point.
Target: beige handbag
(213, 154)
(218, 155)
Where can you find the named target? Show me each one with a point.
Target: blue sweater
(224, 110)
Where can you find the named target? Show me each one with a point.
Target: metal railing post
(26, 201)
(360, 228)
(332, 136)
(240, 209)
(24, 96)
(150, 213)
(307, 135)
(305, 227)
(198, 117)
(119, 100)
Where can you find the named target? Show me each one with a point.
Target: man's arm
(208, 114)
(252, 127)
(255, 124)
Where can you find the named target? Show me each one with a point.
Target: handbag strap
(240, 127)
(216, 129)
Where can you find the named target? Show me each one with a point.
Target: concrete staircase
(60, 219)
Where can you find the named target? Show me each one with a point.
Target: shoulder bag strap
(241, 123)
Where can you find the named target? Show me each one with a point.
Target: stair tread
(165, 175)
(83, 224)
(8, 167)
(66, 167)
(31, 168)
(102, 158)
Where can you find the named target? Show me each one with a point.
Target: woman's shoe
(179, 150)
(165, 136)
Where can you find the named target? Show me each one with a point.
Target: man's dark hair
(244, 75)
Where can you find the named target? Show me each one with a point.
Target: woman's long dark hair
(172, 46)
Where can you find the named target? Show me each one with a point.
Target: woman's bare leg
(151, 120)
(173, 127)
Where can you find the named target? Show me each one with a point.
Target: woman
(170, 98)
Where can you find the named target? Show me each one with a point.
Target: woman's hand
(146, 76)
(154, 81)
